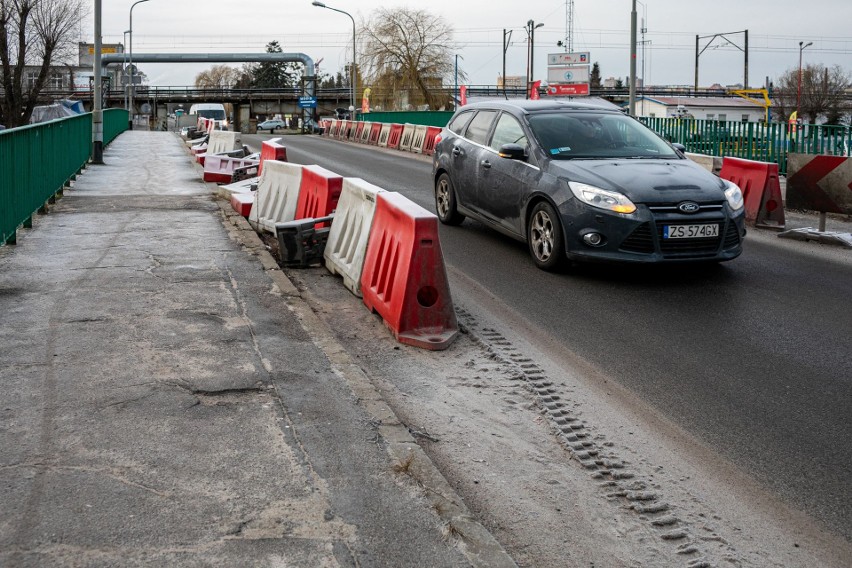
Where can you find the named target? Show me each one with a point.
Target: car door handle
(456, 151)
(486, 164)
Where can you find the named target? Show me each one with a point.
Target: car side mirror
(679, 147)
(513, 152)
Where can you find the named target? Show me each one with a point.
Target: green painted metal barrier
(115, 122)
(427, 118)
(753, 140)
(38, 161)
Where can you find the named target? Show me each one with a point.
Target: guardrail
(754, 141)
(38, 161)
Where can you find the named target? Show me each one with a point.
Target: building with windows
(512, 81)
(705, 108)
(77, 78)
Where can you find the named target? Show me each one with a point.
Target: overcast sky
(601, 27)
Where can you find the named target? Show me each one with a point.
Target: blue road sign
(307, 102)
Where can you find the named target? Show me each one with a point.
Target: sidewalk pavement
(169, 400)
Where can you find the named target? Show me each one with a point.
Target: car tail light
(437, 139)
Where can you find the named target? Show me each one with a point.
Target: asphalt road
(752, 357)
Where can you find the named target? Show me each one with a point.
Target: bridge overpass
(284, 100)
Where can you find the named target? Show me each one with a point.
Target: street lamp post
(132, 70)
(124, 68)
(802, 46)
(531, 28)
(354, 87)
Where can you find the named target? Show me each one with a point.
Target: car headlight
(734, 195)
(601, 198)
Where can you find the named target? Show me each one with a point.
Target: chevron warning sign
(819, 183)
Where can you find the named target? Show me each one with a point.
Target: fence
(753, 141)
(427, 118)
(38, 161)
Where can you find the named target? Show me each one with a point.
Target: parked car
(580, 182)
(271, 125)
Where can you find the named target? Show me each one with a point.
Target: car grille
(687, 247)
(640, 240)
(672, 208)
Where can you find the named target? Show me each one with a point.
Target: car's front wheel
(445, 201)
(544, 236)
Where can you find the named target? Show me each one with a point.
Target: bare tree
(406, 48)
(218, 77)
(822, 93)
(36, 33)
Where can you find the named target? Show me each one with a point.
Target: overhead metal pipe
(310, 68)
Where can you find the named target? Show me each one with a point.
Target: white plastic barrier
(419, 138)
(365, 133)
(332, 129)
(383, 135)
(243, 186)
(712, 164)
(407, 136)
(277, 195)
(223, 141)
(350, 230)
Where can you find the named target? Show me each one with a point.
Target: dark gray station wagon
(579, 182)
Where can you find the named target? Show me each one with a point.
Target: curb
(477, 544)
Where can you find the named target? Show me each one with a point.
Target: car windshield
(215, 114)
(595, 135)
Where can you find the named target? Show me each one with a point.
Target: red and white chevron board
(819, 183)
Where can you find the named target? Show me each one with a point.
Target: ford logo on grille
(688, 207)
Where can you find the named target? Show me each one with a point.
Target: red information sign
(580, 89)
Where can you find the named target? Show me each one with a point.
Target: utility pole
(506, 40)
(632, 104)
(98, 113)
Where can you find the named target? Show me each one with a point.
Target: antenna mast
(569, 26)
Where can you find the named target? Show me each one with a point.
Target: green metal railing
(38, 161)
(752, 140)
(427, 118)
(115, 122)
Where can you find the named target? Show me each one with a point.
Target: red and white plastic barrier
(277, 195)
(269, 150)
(319, 193)
(419, 138)
(384, 134)
(220, 141)
(375, 131)
(404, 279)
(395, 135)
(430, 140)
(347, 239)
(220, 169)
(407, 137)
(761, 190)
(365, 133)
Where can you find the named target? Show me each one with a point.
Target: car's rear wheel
(544, 236)
(445, 201)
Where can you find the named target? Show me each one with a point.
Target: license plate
(690, 231)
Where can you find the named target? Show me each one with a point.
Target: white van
(215, 111)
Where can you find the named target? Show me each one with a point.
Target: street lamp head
(807, 44)
(318, 4)
(538, 26)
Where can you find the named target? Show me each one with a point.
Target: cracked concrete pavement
(167, 403)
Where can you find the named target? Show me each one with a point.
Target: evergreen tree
(274, 75)
(595, 76)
